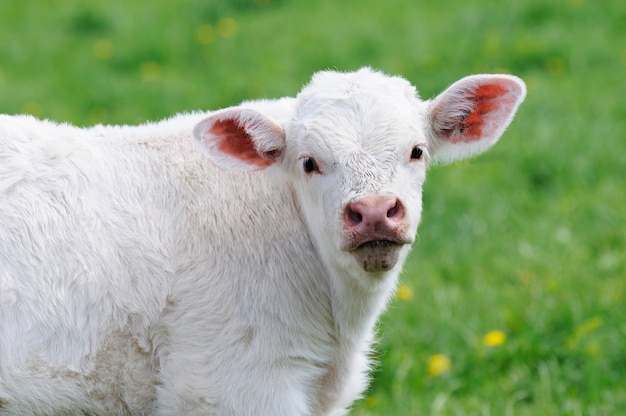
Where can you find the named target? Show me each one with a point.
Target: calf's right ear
(240, 139)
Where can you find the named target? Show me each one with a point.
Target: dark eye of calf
(417, 153)
(309, 165)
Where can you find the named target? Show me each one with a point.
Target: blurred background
(514, 299)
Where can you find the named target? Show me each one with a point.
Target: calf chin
(377, 256)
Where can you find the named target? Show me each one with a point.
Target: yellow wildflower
(438, 364)
(404, 292)
(150, 71)
(494, 338)
(227, 27)
(103, 49)
(205, 34)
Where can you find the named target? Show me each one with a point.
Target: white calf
(139, 276)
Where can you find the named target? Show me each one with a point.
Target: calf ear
(471, 115)
(240, 139)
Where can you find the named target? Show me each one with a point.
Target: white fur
(136, 277)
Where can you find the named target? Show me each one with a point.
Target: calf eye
(417, 153)
(309, 165)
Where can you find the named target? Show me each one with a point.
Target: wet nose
(374, 213)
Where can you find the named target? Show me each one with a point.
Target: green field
(528, 240)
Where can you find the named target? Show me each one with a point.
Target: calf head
(356, 147)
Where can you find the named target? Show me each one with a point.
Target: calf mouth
(377, 255)
(375, 244)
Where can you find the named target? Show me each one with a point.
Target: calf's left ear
(240, 139)
(470, 116)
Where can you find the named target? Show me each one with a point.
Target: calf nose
(374, 214)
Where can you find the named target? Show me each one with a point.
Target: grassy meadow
(513, 301)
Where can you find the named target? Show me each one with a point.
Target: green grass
(528, 239)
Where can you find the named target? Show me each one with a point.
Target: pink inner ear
(487, 100)
(236, 142)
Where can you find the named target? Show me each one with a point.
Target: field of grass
(514, 299)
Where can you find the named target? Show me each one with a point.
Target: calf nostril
(396, 212)
(393, 211)
(355, 217)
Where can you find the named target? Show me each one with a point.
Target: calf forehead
(361, 120)
(365, 110)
